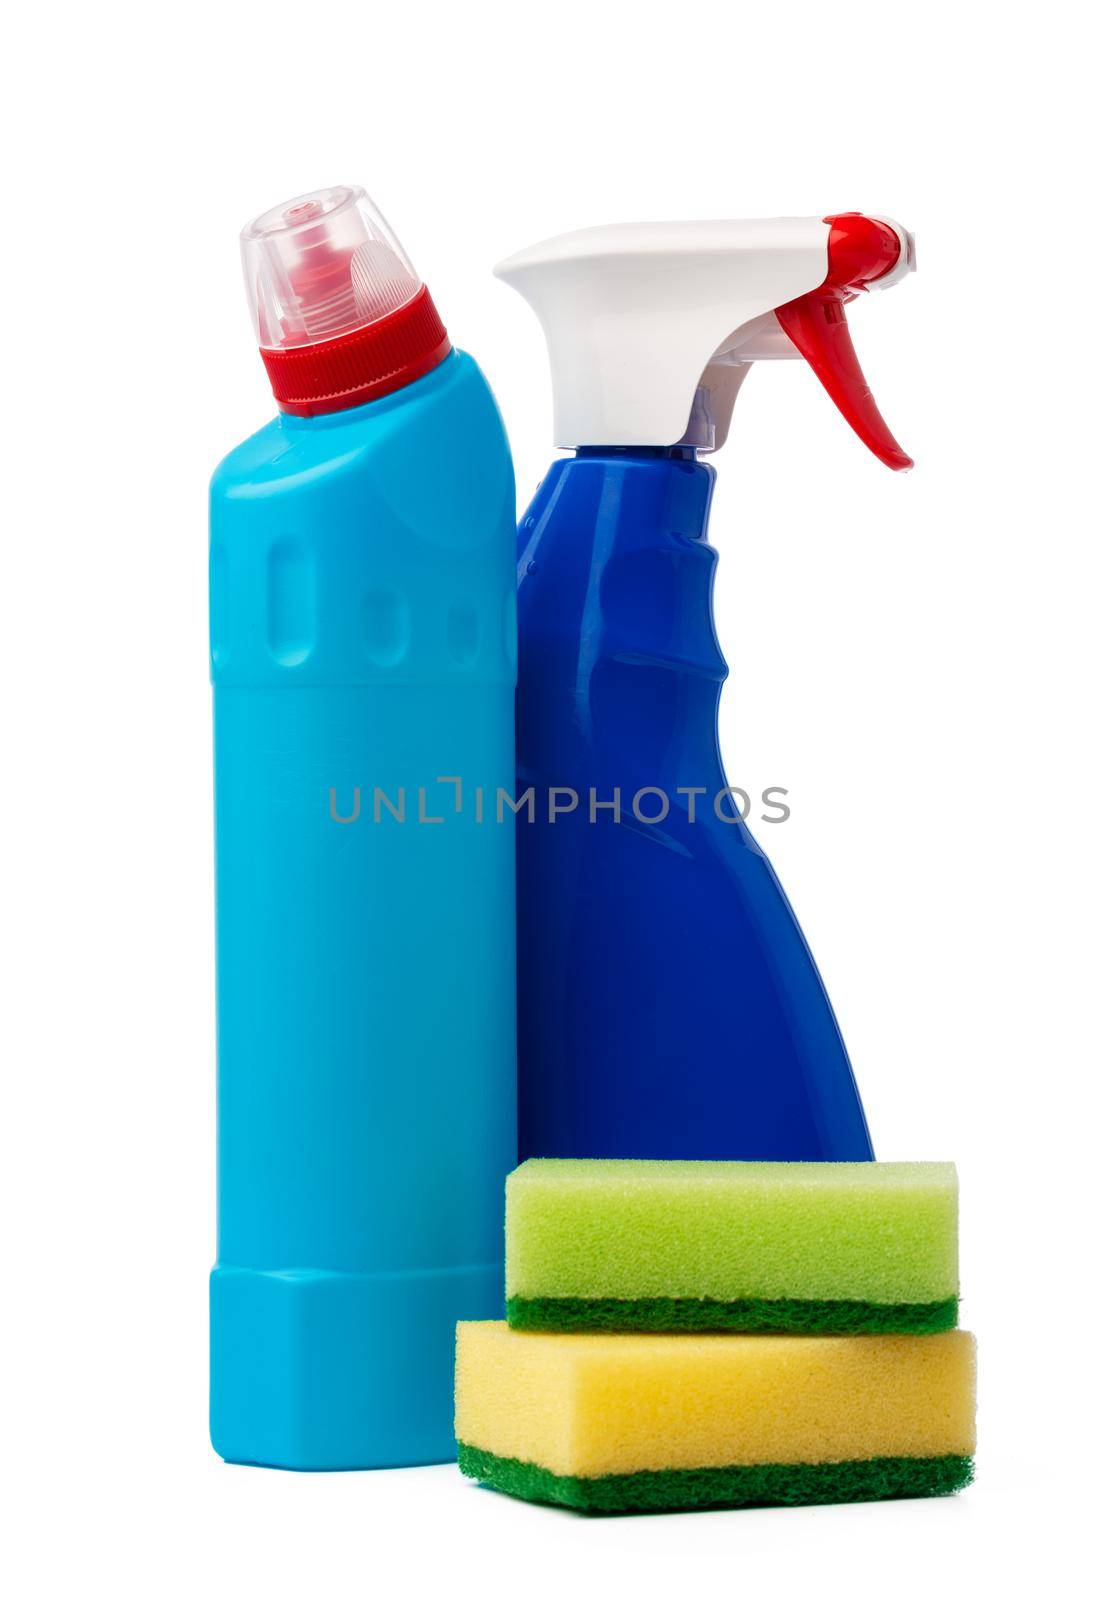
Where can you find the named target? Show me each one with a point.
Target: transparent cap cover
(321, 266)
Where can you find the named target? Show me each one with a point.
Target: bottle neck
(637, 452)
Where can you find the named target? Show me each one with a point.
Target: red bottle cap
(340, 313)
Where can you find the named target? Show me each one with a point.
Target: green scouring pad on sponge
(608, 1422)
(762, 1246)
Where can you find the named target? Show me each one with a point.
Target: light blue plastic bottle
(363, 663)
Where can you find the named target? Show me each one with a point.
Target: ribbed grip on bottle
(374, 360)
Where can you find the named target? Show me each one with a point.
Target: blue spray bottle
(363, 638)
(668, 1004)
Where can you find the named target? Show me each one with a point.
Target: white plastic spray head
(652, 327)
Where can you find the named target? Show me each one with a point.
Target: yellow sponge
(622, 1422)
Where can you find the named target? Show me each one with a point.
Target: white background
(919, 659)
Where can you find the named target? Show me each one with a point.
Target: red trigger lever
(861, 251)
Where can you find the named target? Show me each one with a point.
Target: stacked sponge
(722, 1333)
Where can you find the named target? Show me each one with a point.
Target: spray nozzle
(652, 327)
(864, 253)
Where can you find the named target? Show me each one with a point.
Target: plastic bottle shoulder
(451, 407)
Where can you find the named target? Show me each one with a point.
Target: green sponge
(777, 1247)
(803, 1483)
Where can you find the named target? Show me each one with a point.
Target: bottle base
(327, 1371)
